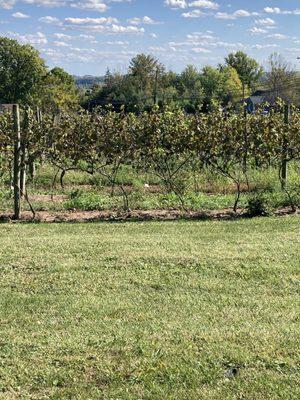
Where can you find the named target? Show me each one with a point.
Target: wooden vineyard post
(246, 145)
(17, 162)
(24, 153)
(38, 116)
(155, 87)
(31, 158)
(284, 165)
(31, 167)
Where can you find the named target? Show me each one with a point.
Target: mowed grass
(154, 310)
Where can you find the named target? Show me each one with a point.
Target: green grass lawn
(156, 310)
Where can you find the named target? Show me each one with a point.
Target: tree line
(148, 82)
(25, 79)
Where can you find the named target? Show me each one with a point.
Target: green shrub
(74, 194)
(258, 206)
(90, 201)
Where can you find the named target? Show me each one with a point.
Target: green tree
(247, 68)
(214, 83)
(139, 89)
(146, 74)
(280, 79)
(233, 85)
(190, 88)
(146, 69)
(21, 72)
(58, 91)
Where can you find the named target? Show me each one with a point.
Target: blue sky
(87, 36)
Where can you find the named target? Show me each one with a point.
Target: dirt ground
(56, 198)
(133, 215)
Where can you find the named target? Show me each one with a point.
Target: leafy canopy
(21, 72)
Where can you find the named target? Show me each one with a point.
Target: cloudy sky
(87, 36)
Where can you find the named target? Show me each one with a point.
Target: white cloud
(86, 37)
(91, 5)
(272, 10)
(235, 15)
(224, 15)
(20, 15)
(265, 22)
(201, 36)
(278, 36)
(175, 4)
(108, 28)
(264, 46)
(7, 4)
(142, 21)
(295, 50)
(62, 36)
(180, 4)
(204, 4)
(95, 21)
(117, 43)
(277, 10)
(61, 44)
(200, 50)
(257, 31)
(47, 3)
(157, 49)
(194, 14)
(38, 38)
(50, 20)
(106, 25)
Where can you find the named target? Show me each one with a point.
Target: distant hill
(88, 81)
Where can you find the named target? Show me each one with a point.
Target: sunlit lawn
(170, 310)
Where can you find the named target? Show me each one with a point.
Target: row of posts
(17, 162)
(284, 166)
(20, 158)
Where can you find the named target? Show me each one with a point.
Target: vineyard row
(164, 142)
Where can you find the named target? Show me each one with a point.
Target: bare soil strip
(134, 215)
